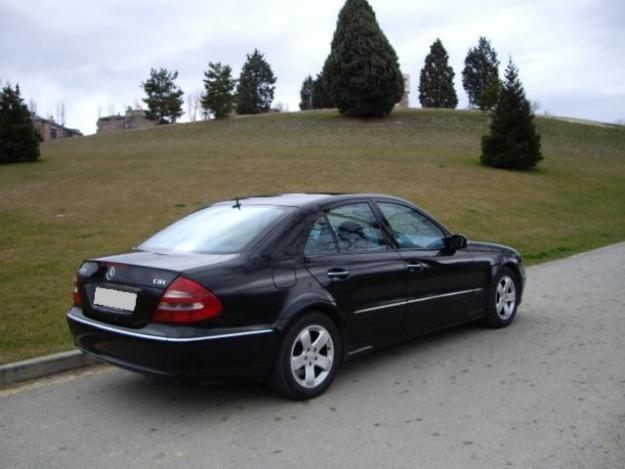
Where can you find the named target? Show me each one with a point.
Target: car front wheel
(308, 358)
(503, 299)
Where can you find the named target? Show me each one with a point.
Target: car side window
(410, 228)
(356, 228)
(320, 239)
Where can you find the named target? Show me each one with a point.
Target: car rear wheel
(503, 299)
(309, 356)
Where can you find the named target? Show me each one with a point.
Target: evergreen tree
(320, 94)
(164, 99)
(219, 87)
(19, 140)
(256, 85)
(436, 83)
(306, 94)
(322, 89)
(363, 74)
(481, 69)
(513, 141)
(489, 96)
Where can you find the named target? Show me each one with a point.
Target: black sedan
(286, 288)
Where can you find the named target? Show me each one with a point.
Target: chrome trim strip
(361, 349)
(139, 335)
(375, 308)
(417, 300)
(443, 295)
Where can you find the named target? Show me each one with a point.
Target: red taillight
(76, 295)
(187, 301)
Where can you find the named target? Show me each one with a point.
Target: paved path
(547, 392)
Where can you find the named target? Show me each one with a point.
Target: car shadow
(192, 397)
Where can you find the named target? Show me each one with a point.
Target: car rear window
(218, 229)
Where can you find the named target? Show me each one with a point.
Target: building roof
(41, 120)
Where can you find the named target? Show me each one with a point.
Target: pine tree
(256, 85)
(513, 141)
(363, 72)
(481, 69)
(19, 140)
(322, 89)
(321, 95)
(164, 98)
(219, 85)
(489, 96)
(306, 94)
(436, 83)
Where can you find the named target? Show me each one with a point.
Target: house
(50, 130)
(133, 119)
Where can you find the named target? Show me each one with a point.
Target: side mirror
(455, 242)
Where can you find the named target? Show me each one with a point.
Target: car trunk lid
(126, 289)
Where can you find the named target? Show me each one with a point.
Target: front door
(443, 287)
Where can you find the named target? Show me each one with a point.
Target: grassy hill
(103, 194)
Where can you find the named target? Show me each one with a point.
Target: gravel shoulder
(549, 391)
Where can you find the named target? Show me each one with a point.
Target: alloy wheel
(312, 356)
(505, 298)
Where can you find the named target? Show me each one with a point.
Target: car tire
(309, 356)
(502, 299)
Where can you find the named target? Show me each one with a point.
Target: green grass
(102, 194)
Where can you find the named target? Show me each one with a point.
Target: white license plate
(115, 299)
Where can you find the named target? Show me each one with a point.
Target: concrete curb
(47, 365)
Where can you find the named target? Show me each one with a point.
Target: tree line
(251, 93)
(361, 77)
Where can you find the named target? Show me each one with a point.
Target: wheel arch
(325, 307)
(514, 267)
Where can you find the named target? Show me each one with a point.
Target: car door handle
(338, 274)
(415, 266)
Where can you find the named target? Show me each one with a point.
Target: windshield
(215, 230)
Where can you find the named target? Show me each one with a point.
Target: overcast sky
(94, 54)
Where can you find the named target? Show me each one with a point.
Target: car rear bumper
(213, 355)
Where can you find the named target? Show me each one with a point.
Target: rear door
(443, 287)
(349, 255)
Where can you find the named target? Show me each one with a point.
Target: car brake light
(76, 295)
(187, 301)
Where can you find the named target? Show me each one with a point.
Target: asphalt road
(547, 392)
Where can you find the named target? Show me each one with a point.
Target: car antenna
(237, 204)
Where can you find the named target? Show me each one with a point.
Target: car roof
(304, 200)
